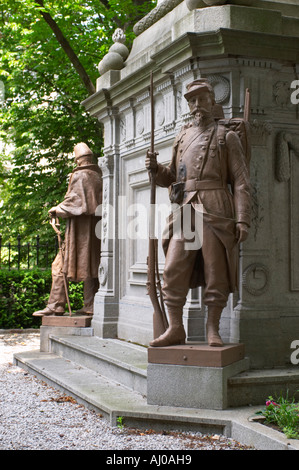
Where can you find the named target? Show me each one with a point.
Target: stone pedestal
(79, 321)
(197, 355)
(193, 376)
(63, 325)
(62, 329)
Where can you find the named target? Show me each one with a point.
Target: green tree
(49, 52)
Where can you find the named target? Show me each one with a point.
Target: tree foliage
(49, 52)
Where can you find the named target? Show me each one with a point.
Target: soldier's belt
(197, 185)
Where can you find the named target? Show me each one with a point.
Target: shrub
(24, 292)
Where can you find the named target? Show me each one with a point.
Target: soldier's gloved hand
(241, 232)
(52, 212)
(151, 160)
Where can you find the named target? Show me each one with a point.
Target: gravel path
(34, 416)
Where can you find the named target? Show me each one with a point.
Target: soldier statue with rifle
(208, 171)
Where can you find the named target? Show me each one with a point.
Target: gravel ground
(34, 416)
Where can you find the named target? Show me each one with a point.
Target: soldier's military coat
(215, 175)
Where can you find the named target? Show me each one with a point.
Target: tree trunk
(68, 50)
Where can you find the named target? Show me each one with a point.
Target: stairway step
(253, 387)
(122, 362)
(113, 400)
(85, 385)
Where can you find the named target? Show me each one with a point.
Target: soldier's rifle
(154, 289)
(247, 105)
(56, 226)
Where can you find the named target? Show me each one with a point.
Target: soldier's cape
(82, 247)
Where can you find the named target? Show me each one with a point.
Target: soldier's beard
(201, 116)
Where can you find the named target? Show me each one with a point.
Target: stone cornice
(228, 42)
(220, 43)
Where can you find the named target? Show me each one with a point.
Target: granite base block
(46, 332)
(191, 386)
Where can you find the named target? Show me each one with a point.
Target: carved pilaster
(105, 317)
(287, 170)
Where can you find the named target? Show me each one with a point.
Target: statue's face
(84, 160)
(200, 105)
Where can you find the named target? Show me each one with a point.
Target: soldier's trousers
(57, 299)
(179, 264)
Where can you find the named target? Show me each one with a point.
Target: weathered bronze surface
(77, 321)
(200, 355)
(210, 159)
(79, 258)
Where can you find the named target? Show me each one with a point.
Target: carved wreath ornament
(256, 279)
(285, 142)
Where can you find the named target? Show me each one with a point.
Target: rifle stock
(160, 322)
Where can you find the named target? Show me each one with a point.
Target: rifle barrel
(247, 105)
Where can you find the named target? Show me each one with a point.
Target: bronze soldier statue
(81, 252)
(211, 175)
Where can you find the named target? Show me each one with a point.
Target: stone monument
(243, 44)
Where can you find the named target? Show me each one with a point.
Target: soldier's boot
(212, 326)
(57, 298)
(46, 312)
(175, 333)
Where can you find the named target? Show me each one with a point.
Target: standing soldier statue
(79, 257)
(208, 170)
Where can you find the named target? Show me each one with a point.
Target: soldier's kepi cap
(82, 150)
(197, 86)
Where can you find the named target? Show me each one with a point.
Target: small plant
(120, 422)
(283, 413)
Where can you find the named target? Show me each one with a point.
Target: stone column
(106, 303)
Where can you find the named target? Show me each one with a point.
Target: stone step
(86, 386)
(122, 362)
(113, 401)
(253, 387)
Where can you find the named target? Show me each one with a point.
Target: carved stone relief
(221, 87)
(257, 210)
(287, 170)
(281, 94)
(256, 279)
(140, 122)
(160, 113)
(260, 131)
(285, 143)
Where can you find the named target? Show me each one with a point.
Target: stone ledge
(191, 386)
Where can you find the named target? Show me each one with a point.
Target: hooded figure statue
(82, 249)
